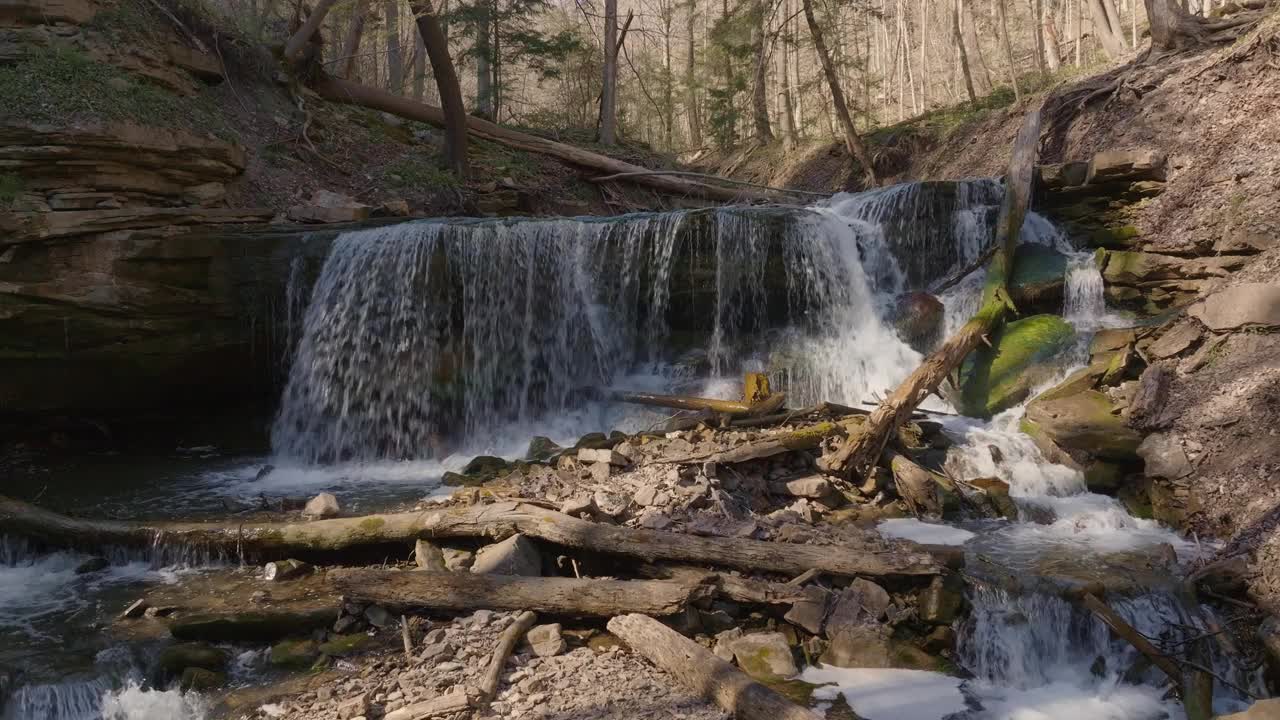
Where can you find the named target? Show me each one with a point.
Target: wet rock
(764, 656)
(295, 654)
(429, 556)
(378, 616)
(136, 609)
(860, 603)
(456, 559)
(1164, 457)
(919, 319)
(345, 645)
(282, 570)
(546, 640)
(93, 565)
(1039, 278)
(1083, 421)
(1023, 355)
(1269, 636)
(996, 494)
(324, 505)
(517, 555)
(811, 610)
(201, 680)
(1239, 306)
(940, 603)
(174, 659)
(348, 624)
(541, 448)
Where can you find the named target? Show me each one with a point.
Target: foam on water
(136, 702)
(885, 694)
(925, 533)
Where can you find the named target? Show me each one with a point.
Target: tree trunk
(1037, 33)
(395, 57)
(453, 113)
(704, 673)
(668, 80)
(1172, 27)
(484, 73)
(786, 111)
(957, 36)
(1052, 53)
(852, 142)
(691, 109)
(970, 29)
(1008, 49)
(555, 595)
(609, 91)
(759, 85)
(1110, 36)
(688, 402)
(860, 451)
(419, 67)
(351, 46)
(302, 36)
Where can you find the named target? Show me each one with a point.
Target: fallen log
(497, 661)
(704, 673)
(553, 595)
(860, 451)
(345, 91)
(733, 408)
(452, 702)
(498, 521)
(1129, 634)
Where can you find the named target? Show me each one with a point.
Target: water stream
(427, 343)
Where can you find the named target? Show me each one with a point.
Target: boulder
(546, 640)
(765, 656)
(1129, 165)
(608, 456)
(1060, 175)
(429, 556)
(1175, 340)
(1039, 278)
(196, 679)
(177, 658)
(324, 505)
(325, 206)
(996, 492)
(1084, 421)
(810, 611)
(1164, 457)
(456, 559)
(994, 379)
(859, 646)
(1239, 306)
(919, 319)
(295, 654)
(861, 603)
(541, 448)
(517, 555)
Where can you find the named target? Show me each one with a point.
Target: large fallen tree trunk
(271, 541)
(701, 671)
(861, 450)
(345, 91)
(733, 408)
(555, 595)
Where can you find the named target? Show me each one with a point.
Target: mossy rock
(295, 654)
(996, 378)
(1085, 421)
(263, 627)
(1039, 278)
(1120, 236)
(542, 449)
(345, 645)
(485, 465)
(201, 680)
(175, 659)
(1103, 477)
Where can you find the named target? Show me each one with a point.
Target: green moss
(371, 524)
(60, 84)
(997, 378)
(295, 654)
(11, 186)
(344, 645)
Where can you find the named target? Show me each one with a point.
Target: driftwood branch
(497, 661)
(704, 673)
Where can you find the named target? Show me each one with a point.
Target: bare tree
(351, 46)
(759, 87)
(419, 66)
(958, 37)
(609, 91)
(692, 110)
(455, 113)
(395, 56)
(1107, 28)
(1008, 48)
(851, 140)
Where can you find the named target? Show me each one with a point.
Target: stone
(485, 467)
(814, 487)
(1111, 339)
(322, 506)
(1039, 278)
(810, 610)
(429, 556)
(546, 640)
(92, 565)
(541, 448)
(378, 616)
(1111, 165)
(1240, 306)
(456, 559)
(859, 646)
(174, 659)
(136, 609)
(600, 473)
(610, 503)
(604, 642)
(918, 319)
(1024, 354)
(201, 680)
(603, 455)
(349, 624)
(1124, 267)
(1084, 421)
(1164, 457)
(940, 603)
(345, 645)
(325, 206)
(1061, 175)
(295, 654)
(862, 602)
(577, 505)
(352, 708)
(436, 652)
(765, 656)
(645, 496)
(395, 208)
(1175, 341)
(1268, 709)
(517, 555)
(205, 193)
(997, 495)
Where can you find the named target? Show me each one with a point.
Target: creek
(425, 344)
